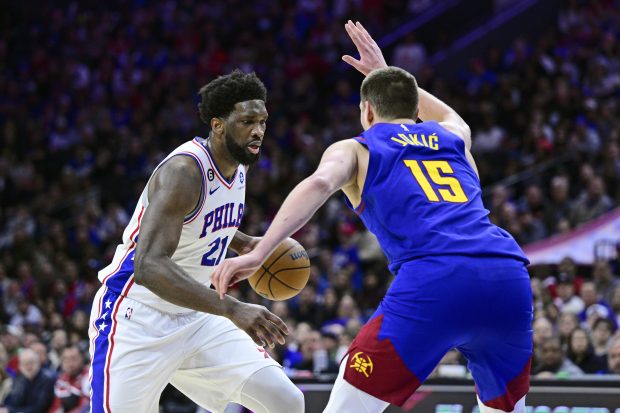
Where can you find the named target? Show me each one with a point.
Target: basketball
(284, 273)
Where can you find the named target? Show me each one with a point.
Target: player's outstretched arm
(338, 168)
(430, 107)
(173, 192)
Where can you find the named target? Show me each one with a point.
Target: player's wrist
(229, 306)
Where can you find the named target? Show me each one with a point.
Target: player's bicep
(459, 128)
(173, 193)
(339, 164)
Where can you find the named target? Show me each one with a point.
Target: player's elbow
(143, 268)
(322, 184)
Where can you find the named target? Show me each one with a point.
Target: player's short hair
(218, 97)
(392, 92)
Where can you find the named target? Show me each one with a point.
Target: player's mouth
(254, 147)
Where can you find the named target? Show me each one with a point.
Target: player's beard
(240, 153)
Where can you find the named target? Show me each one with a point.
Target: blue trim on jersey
(118, 280)
(217, 170)
(100, 352)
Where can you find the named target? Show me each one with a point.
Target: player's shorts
(137, 350)
(481, 306)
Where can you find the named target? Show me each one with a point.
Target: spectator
(558, 207)
(553, 362)
(410, 55)
(72, 390)
(6, 381)
(27, 315)
(591, 204)
(581, 353)
(58, 343)
(604, 279)
(314, 355)
(601, 335)
(615, 305)
(568, 322)
(590, 296)
(41, 350)
(568, 301)
(33, 388)
(613, 356)
(542, 330)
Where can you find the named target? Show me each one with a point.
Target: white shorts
(137, 350)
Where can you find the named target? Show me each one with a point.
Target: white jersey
(206, 235)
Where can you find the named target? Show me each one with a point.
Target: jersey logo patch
(362, 363)
(241, 178)
(212, 191)
(210, 175)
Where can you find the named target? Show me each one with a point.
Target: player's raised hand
(233, 270)
(371, 57)
(264, 327)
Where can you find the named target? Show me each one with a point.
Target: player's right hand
(261, 325)
(371, 57)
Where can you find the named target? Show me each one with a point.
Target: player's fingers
(263, 335)
(221, 282)
(354, 34)
(278, 322)
(274, 331)
(255, 338)
(364, 32)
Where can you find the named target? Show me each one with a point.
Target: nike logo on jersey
(212, 191)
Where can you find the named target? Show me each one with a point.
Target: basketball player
(461, 282)
(155, 320)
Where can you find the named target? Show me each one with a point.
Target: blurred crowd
(94, 94)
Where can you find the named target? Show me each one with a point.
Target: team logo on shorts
(361, 363)
(210, 175)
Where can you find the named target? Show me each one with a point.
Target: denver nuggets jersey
(422, 198)
(206, 235)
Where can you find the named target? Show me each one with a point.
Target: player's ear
(217, 126)
(369, 113)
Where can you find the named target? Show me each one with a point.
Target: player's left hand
(233, 270)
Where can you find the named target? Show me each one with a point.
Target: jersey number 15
(452, 190)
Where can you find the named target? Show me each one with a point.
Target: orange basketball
(284, 273)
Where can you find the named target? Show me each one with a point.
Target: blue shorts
(481, 306)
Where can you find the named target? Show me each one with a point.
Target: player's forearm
(168, 281)
(296, 211)
(240, 241)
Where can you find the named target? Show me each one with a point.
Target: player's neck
(225, 163)
(394, 121)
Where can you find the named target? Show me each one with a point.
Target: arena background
(94, 94)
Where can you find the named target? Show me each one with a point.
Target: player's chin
(251, 156)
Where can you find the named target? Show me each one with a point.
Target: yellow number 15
(454, 192)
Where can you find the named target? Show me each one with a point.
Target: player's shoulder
(179, 173)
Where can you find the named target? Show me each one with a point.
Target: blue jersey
(422, 198)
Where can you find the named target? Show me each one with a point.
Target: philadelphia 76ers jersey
(206, 235)
(422, 198)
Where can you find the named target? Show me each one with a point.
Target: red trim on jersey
(516, 389)
(131, 248)
(109, 356)
(374, 366)
(217, 172)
